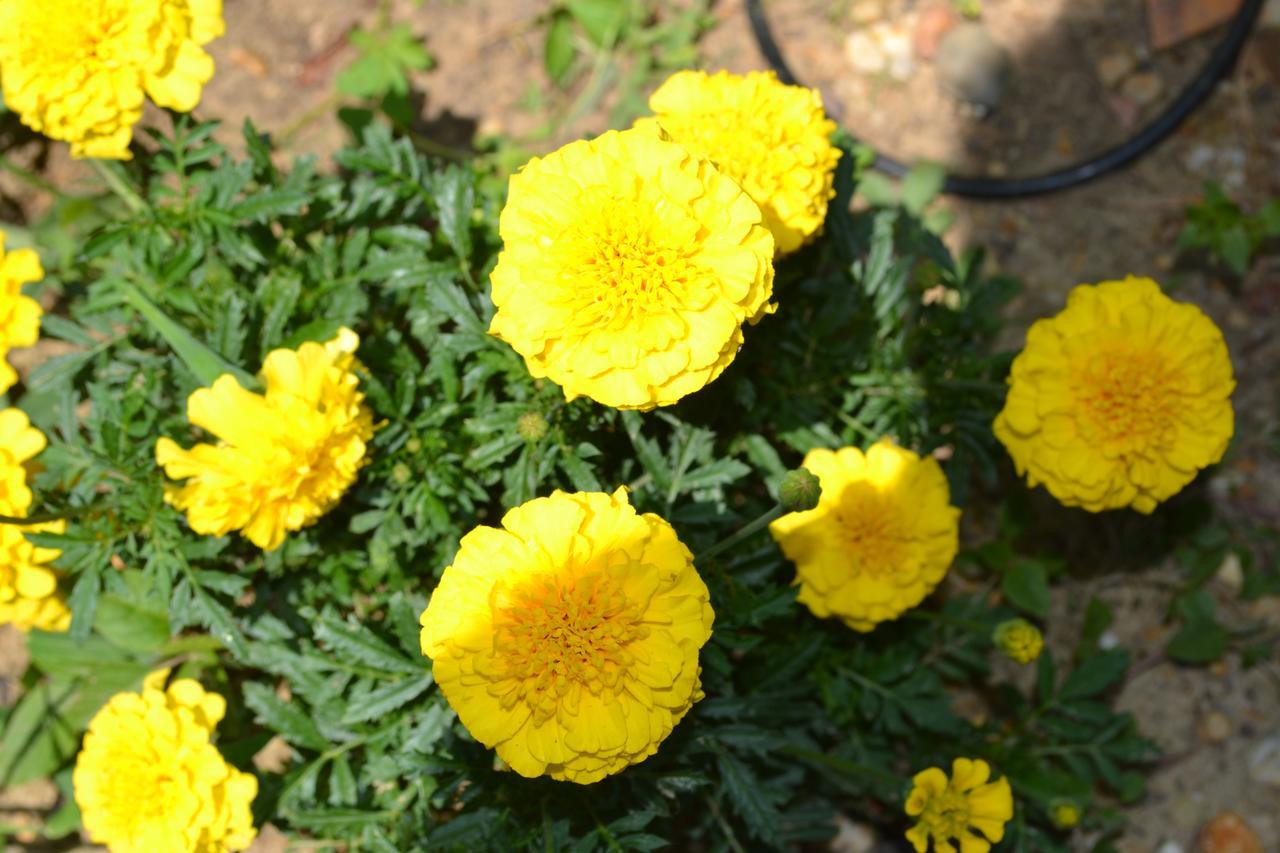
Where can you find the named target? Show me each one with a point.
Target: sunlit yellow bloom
(79, 71)
(1019, 640)
(628, 268)
(1119, 400)
(19, 315)
(29, 596)
(148, 777)
(285, 457)
(568, 639)
(880, 539)
(773, 139)
(956, 813)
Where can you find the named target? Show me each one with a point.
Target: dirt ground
(1081, 78)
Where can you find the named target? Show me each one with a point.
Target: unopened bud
(1064, 813)
(532, 426)
(401, 473)
(799, 490)
(1018, 640)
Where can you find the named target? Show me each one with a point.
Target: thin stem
(30, 178)
(729, 837)
(743, 534)
(110, 174)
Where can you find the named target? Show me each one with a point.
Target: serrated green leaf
(361, 645)
(1095, 674)
(385, 699)
(285, 718)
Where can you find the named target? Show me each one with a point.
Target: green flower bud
(799, 491)
(401, 473)
(1018, 640)
(532, 426)
(1064, 814)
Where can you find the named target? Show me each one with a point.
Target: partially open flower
(628, 268)
(1120, 400)
(773, 139)
(881, 537)
(19, 314)
(29, 596)
(79, 72)
(568, 638)
(148, 777)
(965, 812)
(1018, 640)
(284, 457)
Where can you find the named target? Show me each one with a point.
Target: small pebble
(1228, 833)
(1214, 727)
(1115, 67)
(863, 52)
(934, 23)
(1264, 761)
(1170, 847)
(1231, 573)
(852, 837)
(973, 67)
(1142, 88)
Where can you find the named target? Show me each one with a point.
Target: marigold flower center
(622, 268)
(872, 531)
(947, 815)
(1127, 397)
(556, 634)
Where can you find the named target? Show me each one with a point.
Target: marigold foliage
(285, 457)
(79, 72)
(957, 812)
(568, 639)
(882, 536)
(19, 315)
(628, 268)
(29, 596)
(1018, 640)
(773, 139)
(149, 778)
(1119, 400)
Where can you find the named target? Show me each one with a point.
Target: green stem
(30, 178)
(743, 534)
(110, 173)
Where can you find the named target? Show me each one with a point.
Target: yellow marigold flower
(880, 539)
(1119, 400)
(773, 139)
(1064, 814)
(568, 639)
(958, 812)
(1019, 640)
(148, 777)
(628, 268)
(79, 72)
(19, 315)
(285, 457)
(29, 595)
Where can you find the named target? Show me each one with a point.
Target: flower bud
(1018, 640)
(1064, 814)
(799, 490)
(532, 426)
(401, 473)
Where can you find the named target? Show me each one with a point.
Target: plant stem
(751, 529)
(110, 174)
(30, 178)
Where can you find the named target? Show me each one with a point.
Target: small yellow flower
(148, 777)
(1019, 640)
(773, 139)
(1120, 400)
(568, 639)
(628, 268)
(956, 813)
(881, 538)
(79, 72)
(1064, 814)
(285, 457)
(19, 315)
(29, 596)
